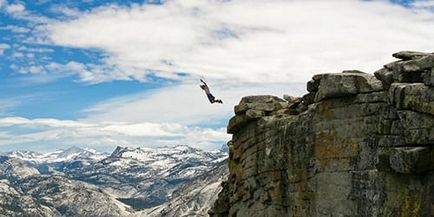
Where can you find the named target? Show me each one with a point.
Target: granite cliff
(356, 145)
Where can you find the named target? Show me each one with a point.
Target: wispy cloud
(11, 102)
(65, 11)
(35, 50)
(106, 133)
(253, 41)
(6, 105)
(18, 10)
(423, 4)
(15, 29)
(13, 8)
(8, 102)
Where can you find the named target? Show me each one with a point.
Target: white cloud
(68, 68)
(12, 121)
(64, 132)
(424, 4)
(17, 55)
(253, 41)
(35, 50)
(36, 69)
(3, 47)
(15, 29)
(30, 55)
(18, 11)
(68, 12)
(89, 73)
(15, 8)
(52, 71)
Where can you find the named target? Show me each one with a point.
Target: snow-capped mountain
(71, 154)
(181, 161)
(145, 177)
(128, 182)
(13, 168)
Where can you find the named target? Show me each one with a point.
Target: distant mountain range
(128, 182)
(71, 154)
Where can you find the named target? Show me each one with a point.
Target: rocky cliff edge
(356, 145)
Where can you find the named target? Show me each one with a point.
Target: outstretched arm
(203, 82)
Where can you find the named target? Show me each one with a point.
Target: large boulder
(410, 55)
(254, 107)
(416, 65)
(385, 75)
(346, 84)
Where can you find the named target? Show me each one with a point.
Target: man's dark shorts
(211, 98)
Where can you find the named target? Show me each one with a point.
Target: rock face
(355, 145)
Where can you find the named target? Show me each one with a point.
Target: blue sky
(38, 95)
(105, 73)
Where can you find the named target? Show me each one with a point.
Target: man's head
(203, 86)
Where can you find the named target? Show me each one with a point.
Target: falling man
(211, 98)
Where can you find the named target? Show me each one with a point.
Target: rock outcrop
(355, 145)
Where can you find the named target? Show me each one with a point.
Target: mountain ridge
(122, 183)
